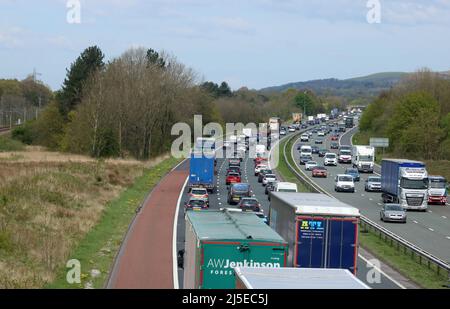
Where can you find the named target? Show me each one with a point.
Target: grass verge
(408, 266)
(99, 247)
(8, 144)
(283, 168)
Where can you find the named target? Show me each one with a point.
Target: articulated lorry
(321, 231)
(405, 182)
(201, 171)
(219, 241)
(363, 158)
(349, 122)
(311, 120)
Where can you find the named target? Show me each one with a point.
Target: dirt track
(145, 260)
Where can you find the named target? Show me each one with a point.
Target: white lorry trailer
(363, 158)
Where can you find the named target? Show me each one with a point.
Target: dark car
(373, 183)
(238, 191)
(234, 169)
(315, 149)
(318, 141)
(322, 152)
(314, 131)
(270, 187)
(353, 172)
(195, 203)
(304, 159)
(249, 204)
(263, 173)
(334, 146)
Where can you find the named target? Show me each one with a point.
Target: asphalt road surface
(430, 231)
(219, 200)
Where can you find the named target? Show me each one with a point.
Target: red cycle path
(145, 260)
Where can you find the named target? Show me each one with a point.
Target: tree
(224, 90)
(49, 127)
(90, 61)
(154, 58)
(304, 102)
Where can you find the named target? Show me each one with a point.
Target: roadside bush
(25, 133)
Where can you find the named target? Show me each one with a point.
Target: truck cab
(437, 190)
(363, 158)
(405, 182)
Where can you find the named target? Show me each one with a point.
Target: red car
(233, 178)
(260, 160)
(334, 138)
(319, 171)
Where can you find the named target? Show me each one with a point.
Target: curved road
(219, 200)
(430, 231)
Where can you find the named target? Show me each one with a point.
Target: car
(310, 165)
(354, 173)
(304, 159)
(322, 152)
(304, 126)
(309, 134)
(334, 145)
(299, 147)
(260, 167)
(201, 193)
(238, 191)
(195, 203)
(318, 141)
(232, 178)
(330, 159)
(321, 133)
(260, 214)
(373, 183)
(319, 171)
(234, 162)
(314, 131)
(315, 149)
(345, 156)
(268, 178)
(263, 173)
(291, 129)
(393, 213)
(344, 183)
(304, 138)
(334, 137)
(270, 187)
(234, 169)
(283, 133)
(260, 160)
(251, 204)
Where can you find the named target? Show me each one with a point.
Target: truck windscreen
(366, 158)
(414, 184)
(437, 184)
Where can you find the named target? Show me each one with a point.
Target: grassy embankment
(56, 207)
(389, 254)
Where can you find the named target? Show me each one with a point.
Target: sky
(252, 43)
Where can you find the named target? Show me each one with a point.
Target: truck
(311, 120)
(405, 182)
(321, 232)
(341, 126)
(289, 278)
(275, 124)
(321, 117)
(296, 118)
(363, 158)
(349, 123)
(201, 171)
(219, 240)
(437, 190)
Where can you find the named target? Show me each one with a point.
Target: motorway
(219, 200)
(429, 231)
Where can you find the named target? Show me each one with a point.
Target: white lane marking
(174, 238)
(386, 275)
(431, 229)
(379, 204)
(448, 237)
(218, 198)
(362, 195)
(444, 217)
(370, 199)
(416, 222)
(430, 211)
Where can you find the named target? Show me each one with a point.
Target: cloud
(12, 37)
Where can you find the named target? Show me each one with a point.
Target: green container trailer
(219, 241)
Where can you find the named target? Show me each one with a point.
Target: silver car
(393, 213)
(373, 183)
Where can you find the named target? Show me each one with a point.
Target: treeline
(414, 115)
(127, 106)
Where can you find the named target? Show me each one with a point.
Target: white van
(306, 150)
(285, 187)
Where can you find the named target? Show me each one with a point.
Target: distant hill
(360, 88)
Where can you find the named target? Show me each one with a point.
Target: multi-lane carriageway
(429, 231)
(219, 200)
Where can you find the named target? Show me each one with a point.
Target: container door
(342, 240)
(310, 252)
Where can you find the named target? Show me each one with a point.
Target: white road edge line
(382, 272)
(176, 285)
